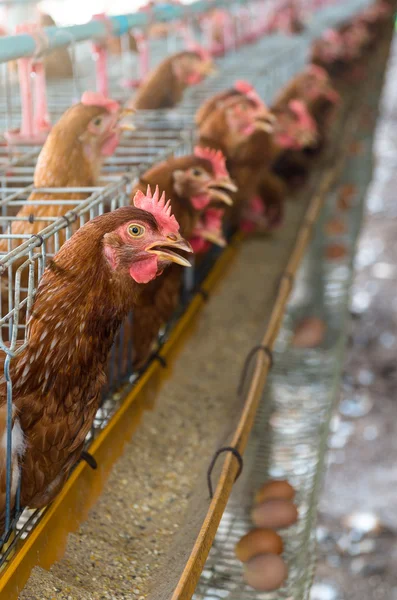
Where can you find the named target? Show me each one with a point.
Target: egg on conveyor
(309, 333)
(335, 226)
(258, 541)
(335, 251)
(266, 572)
(275, 513)
(276, 488)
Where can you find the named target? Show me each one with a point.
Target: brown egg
(335, 251)
(335, 227)
(266, 572)
(346, 194)
(309, 333)
(356, 148)
(276, 488)
(258, 541)
(274, 514)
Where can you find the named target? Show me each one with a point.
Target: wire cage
(268, 64)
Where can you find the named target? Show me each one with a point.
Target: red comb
(300, 109)
(98, 99)
(158, 207)
(200, 51)
(245, 88)
(215, 157)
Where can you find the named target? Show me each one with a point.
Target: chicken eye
(136, 230)
(98, 121)
(197, 172)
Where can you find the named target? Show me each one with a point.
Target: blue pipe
(17, 46)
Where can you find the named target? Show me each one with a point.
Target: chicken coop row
(68, 411)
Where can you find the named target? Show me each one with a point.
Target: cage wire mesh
(268, 64)
(289, 439)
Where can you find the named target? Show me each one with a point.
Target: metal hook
(247, 363)
(235, 453)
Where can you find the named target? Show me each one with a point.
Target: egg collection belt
(268, 64)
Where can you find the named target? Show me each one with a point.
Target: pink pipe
(100, 56)
(35, 121)
(102, 84)
(144, 55)
(41, 117)
(228, 34)
(24, 70)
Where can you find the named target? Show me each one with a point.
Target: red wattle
(194, 79)
(144, 270)
(110, 145)
(200, 202)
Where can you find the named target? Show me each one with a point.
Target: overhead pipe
(24, 45)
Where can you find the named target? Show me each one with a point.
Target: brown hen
(166, 84)
(194, 184)
(57, 63)
(82, 299)
(239, 124)
(72, 156)
(314, 87)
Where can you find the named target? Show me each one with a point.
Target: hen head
(145, 244)
(88, 131)
(330, 47)
(295, 128)
(203, 179)
(356, 36)
(101, 120)
(233, 116)
(192, 66)
(315, 83)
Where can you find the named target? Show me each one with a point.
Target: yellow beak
(165, 250)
